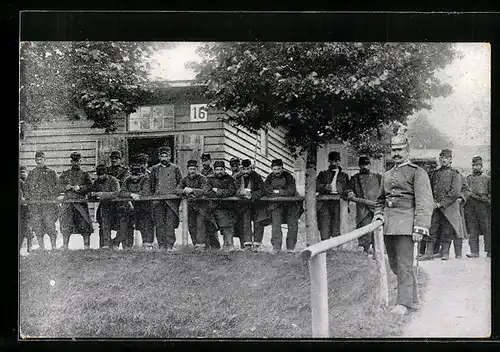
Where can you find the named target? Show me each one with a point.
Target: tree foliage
(323, 92)
(96, 80)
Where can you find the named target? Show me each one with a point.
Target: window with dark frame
(152, 118)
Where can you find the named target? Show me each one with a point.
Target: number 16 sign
(199, 112)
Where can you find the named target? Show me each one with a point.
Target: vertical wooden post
(319, 295)
(185, 230)
(382, 269)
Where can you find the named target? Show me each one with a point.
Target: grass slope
(183, 294)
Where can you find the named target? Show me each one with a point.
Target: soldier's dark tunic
(328, 212)
(287, 213)
(23, 221)
(120, 172)
(405, 199)
(207, 172)
(249, 210)
(106, 211)
(164, 181)
(365, 185)
(75, 217)
(135, 214)
(223, 212)
(198, 215)
(211, 239)
(477, 211)
(41, 184)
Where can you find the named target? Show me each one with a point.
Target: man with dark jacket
(75, 184)
(212, 240)
(221, 185)
(105, 187)
(331, 181)
(143, 159)
(24, 228)
(281, 183)
(446, 183)
(206, 162)
(234, 164)
(136, 213)
(365, 185)
(477, 209)
(165, 177)
(250, 188)
(41, 184)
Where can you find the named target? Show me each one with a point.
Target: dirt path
(457, 299)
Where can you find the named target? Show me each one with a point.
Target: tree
(423, 134)
(319, 92)
(96, 80)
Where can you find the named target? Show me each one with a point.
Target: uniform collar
(402, 164)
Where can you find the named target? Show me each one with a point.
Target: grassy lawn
(183, 294)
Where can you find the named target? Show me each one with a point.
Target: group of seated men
(244, 218)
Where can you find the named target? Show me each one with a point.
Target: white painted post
(185, 229)
(319, 295)
(381, 267)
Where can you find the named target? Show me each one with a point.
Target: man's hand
(77, 188)
(417, 237)
(460, 200)
(276, 191)
(69, 187)
(350, 195)
(61, 197)
(437, 205)
(378, 217)
(135, 196)
(214, 189)
(188, 190)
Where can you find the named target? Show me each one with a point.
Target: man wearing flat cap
(331, 181)
(212, 240)
(165, 177)
(234, 164)
(405, 205)
(75, 184)
(41, 184)
(250, 187)
(104, 188)
(143, 160)
(206, 163)
(446, 222)
(135, 214)
(365, 185)
(281, 183)
(221, 185)
(477, 209)
(116, 169)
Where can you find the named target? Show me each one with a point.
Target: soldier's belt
(400, 204)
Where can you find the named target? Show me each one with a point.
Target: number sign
(199, 112)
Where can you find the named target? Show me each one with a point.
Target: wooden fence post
(319, 295)
(185, 228)
(382, 269)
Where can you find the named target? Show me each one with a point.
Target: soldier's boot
(65, 241)
(446, 250)
(429, 251)
(53, 239)
(86, 241)
(41, 242)
(457, 244)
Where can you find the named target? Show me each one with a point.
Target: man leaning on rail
(405, 204)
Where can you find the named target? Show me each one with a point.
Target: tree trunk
(312, 235)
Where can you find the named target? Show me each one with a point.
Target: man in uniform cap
(104, 188)
(41, 184)
(75, 184)
(405, 205)
(281, 183)
(331, 181)
(477, 209)
(143, 159)
(212, 241)
(221, 185)
(446, 222)
(135, 214)
(234, 164)
(365, 185)
(165, 177)
(206, 162)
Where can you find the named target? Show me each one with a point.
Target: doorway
(150, 146)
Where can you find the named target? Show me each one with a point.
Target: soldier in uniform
(144, 160)
(75, 184)
(250, 187)
(366, 185)
(193, 186)
(24, 228)
(405, 205)
(105, 187)
(281, 183)
(165, 177)
(135, 214)
(221, 185)
(206, 162)
(446, 183)
(234, 164)
(477, 209)
(41, 184)
(212, 241)
(331, 181)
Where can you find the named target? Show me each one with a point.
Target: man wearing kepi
(165, 177)
(366, 185)
(477, 209)
(136, 214)
(331, 181)
(405, 205)
(41, 184)
(234, 163)
(75, 184)
(281, 183)
(446, 184)
(250, 187)
(221, 185)
(206, 162)
(105, 187)
(212, 242)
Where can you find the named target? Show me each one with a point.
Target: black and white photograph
(254, 189)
